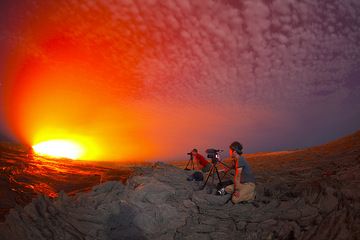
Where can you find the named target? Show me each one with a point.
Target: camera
(190, 162)
(213, 154)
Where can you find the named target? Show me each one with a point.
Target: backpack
(198, 176)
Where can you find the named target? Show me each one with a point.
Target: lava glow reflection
(59, 149)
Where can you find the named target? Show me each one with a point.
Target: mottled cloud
(274, 54)
(251, 51)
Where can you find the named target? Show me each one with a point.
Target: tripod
(214, 170)
(191, 162)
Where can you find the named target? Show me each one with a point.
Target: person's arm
(237, 178)
(238, 171)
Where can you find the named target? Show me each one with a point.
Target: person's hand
(236, 194)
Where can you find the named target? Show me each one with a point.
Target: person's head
(235, 149)
(194, 151)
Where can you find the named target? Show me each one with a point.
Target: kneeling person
(243, 188)
(202, 163)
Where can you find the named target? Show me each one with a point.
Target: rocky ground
(306, 194)
(23, 176)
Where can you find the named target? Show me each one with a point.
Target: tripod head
(213, 154)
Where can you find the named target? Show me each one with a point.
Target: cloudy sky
(273, 74)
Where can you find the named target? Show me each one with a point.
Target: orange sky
(65, 86)
(59, 90)
(132, 81)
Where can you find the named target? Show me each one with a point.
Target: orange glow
(81, 78)
(68, 88)
(59, 148)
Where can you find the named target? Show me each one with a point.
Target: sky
(153, 79)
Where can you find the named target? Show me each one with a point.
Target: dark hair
(237, 147)
(195, 150)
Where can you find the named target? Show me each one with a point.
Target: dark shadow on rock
(120, 225)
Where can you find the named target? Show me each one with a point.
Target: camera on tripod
(190, 162)
(213, 154)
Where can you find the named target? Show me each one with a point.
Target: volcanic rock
(309, 194)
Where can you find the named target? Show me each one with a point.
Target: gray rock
(202, 228)
(291, 214)
(308, 211)
(107, 187)
(288, 230)
(189, 203)
(218, 214)
(146, 222)
(160, 219)
(226, 226)
(223, 235)
(240, 225)
(268, 225)
(328, 202)
(198, 199)
(197, 236)
(209, 220)
(216, 200)
(166, 236)
(307, 221)
(252, 227)
(333, 227)
(161, 204)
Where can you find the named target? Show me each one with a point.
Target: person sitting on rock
(243, 188)
(202, 163)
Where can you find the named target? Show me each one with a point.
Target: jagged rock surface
(158, 203)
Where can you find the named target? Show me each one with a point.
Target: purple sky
(278, 74)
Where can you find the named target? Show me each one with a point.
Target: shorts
(247, 192)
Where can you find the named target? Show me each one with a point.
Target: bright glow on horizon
(59, 149)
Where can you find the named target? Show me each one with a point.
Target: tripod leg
(217, 173)
(187, 165)
(207, 178)
(213, 175)
(226, 171)
(192, 162)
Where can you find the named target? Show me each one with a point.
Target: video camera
(213, 154)
(190, 154)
